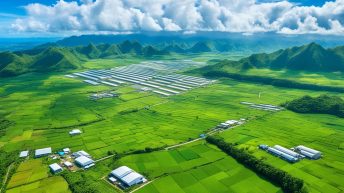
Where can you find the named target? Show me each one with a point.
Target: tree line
(79, 183)
(272, 81)
(287, 182)
(324, 104)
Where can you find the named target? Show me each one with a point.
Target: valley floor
(44, 108)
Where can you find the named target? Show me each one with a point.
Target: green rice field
(32, 176)
(44, 108)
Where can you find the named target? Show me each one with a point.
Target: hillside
(53, 58)
(311, 57)
(219, 41)
(46, 60)
(323, 104)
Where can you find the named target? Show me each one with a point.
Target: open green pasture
(44, 108)
(32, 176)
(323, 78)
(321, 132)
(197, 167)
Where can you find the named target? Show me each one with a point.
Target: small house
(24, 154)
(66, 150)
(68, 164)
(75, 132)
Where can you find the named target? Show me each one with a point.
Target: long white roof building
(121, 171)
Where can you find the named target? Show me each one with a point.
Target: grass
(197, 167)
(55, 184)
(328, 79)
(321, 132)
(45, 108)
(33, 176)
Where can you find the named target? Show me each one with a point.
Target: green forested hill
(323, 104)
(311, 57)
(55, 58)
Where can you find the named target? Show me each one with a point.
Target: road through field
(212, 132)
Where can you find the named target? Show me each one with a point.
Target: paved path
(181, 144)
(104, 158)
(212, 132)
(145, 184)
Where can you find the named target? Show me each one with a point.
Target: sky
(41, 18)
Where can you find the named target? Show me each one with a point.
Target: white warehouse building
(121, 172)
(128, 176)
(84, 162)
(308, 152)
(287, 151)
(133, 178)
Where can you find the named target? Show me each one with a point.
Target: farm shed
(308, 152)
(121, 171)
(84, 162)
(23, 154)
(42, 152)
(81, 153)
(75, 132)
(133, 178)
(112, 179)
(287, 151)
(282, 155)
(127, 176)
(55, 168)
(68, 164)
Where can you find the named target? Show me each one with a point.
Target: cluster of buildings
(98, 96)
(68, 159)
(148, 78)
(292, 155)
(83, 159)
(265, 107)
(230, 123)
(125, 177)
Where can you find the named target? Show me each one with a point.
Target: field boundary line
(113, 185)
(103, 158)
(6, 177)
(143, 185)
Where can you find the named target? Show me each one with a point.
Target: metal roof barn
(68, 164)
(162, 93)
(133, 178)
(301, 147)
(121, 171)
(84, 161)
(55, 168)
(24, 154)
(42, 152)
(91, 82)
(308, 152)
(287, 151)
(75, 132)
(83, 153)
(282, 154)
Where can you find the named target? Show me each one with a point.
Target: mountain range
(51, 57)
(311, 57)
(216, 41)
(54, 58)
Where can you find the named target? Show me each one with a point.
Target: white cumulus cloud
(246, 17)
